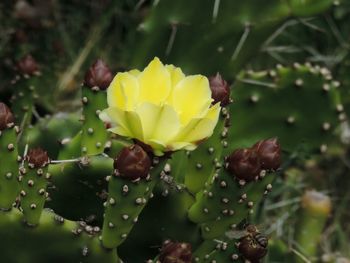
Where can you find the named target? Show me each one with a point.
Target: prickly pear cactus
(153, 165)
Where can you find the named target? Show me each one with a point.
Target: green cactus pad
(94, 132)
(309, 116)
(126, 200)
(54, 240)
(9, 185)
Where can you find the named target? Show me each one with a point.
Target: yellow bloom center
(161, 107)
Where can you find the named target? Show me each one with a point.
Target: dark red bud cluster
(27, 65)
(175, 252)
(247, 163)
(132, 163)
(220, 90)
(99, 75)
(6, 116)
(38, 158)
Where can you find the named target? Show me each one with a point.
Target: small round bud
(175, 252)
(6, 116)
(244, 164)
(269, 152)
(220, 90)
(27, 65)
(132, 163)
(37, 157)
(98, 75)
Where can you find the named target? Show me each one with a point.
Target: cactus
(145, 175)
(62, 239)
(232, 32)
(9, 185)
(261, 94)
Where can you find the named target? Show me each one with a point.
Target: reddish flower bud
(220, 90)
(6, 116)
(37, 157)
(175, 252)
(269, 152)
(132, 163)
(27, 65)
(98, 75)
(244, 164)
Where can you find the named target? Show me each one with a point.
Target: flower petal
(116, 118)
(199, 128)
(124, 123)
(176, 74)
(190, 96)
(155, 83)
(159, 123)
(123, 91)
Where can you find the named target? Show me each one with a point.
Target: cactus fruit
(128, 192)
(94, 134)
(9, 185)
(34, 181)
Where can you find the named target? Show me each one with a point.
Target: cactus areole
(161, 107)
(6, 116)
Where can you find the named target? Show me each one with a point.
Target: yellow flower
(161, 107)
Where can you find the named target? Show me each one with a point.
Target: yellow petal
(191, 96)
(134, 124)
(176, 74)
(124, 123)
(123, 91)
(134, 72)
(116, 118)
(160, 123)
(200, 128)
(155, 83)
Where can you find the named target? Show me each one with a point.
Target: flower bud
(98, 75)
(132, 163)
(6, 116)
(244, 164)
(269, 152)
(220, 90)
(175, 252)
(37, 157)
(253, 246)
(27, 65)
